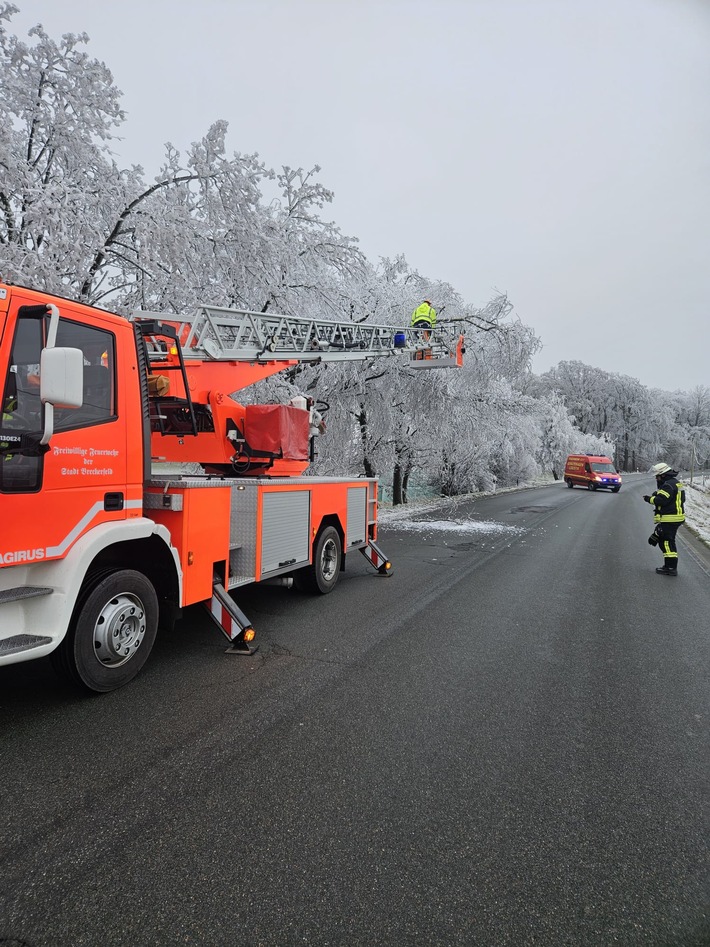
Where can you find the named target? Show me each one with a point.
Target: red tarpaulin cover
(277, 428)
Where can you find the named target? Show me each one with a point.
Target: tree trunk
(403, 466)
(398, 494)
(361, 418)
(405, 480)
(448, 473)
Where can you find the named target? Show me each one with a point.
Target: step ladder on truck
(99, 548)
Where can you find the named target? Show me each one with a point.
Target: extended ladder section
(213, 333)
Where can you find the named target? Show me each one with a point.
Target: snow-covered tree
(59, 112)
(693, 413)
(558, 435)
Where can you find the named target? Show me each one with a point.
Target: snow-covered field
(697, 510)
(697, 507)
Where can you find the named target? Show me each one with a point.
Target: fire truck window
(21, 410)
(99, 384)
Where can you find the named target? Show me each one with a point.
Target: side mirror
(62, 377)
(61, 383)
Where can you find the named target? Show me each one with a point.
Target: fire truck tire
(112, 631)
(321, 576)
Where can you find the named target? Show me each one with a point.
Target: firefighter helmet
(659, 469)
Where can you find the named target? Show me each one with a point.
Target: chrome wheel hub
(119, 630)
(328, 560)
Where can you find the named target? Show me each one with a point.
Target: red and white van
(593, 471)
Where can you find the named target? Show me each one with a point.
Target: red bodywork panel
(200, 532)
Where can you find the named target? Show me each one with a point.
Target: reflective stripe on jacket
(669, 502)
(424, 313)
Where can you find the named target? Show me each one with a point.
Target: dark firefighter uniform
(669, 512)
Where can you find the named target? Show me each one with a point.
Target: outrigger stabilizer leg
(376, 558)
(231, 620)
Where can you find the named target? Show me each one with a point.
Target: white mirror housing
(61, 377)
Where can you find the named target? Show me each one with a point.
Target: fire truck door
(51, 498)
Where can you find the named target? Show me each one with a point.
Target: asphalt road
(505, 743)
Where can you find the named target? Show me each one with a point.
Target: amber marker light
(249, 634)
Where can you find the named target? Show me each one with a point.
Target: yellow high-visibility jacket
(424, 313)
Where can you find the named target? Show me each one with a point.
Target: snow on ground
(413, 516)
(394, 520)
(697, 507)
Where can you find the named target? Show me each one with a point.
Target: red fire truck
(99, 548)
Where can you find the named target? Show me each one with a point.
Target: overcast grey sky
(556, 150)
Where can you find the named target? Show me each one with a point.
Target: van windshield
(603, 468)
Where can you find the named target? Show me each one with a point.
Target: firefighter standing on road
(669, 512)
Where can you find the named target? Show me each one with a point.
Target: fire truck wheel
(322, 575)
(112, 631)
